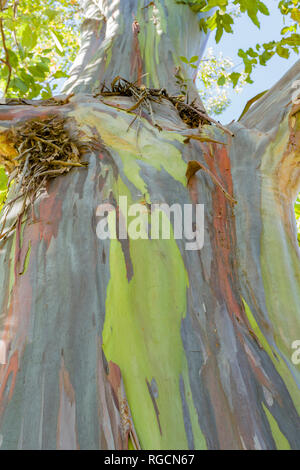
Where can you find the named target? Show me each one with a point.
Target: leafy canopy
(214, 82)
(220, 17)
(39, 40)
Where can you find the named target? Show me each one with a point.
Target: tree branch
(7, 62)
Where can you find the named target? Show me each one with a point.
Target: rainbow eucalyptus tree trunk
(111, 344)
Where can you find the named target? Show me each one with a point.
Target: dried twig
(189, 113)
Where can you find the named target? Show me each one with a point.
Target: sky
(246, 35)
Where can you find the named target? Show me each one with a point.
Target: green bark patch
(142, 335)
(280, 440)
(278, 362)
(279, 257)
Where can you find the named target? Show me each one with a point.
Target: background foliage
(221, 15)
(214, 81)
(39, 40)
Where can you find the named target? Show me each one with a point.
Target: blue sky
(246, 34)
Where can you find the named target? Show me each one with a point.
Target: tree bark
(140, 41)
(140, 343)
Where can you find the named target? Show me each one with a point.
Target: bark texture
(135, 343)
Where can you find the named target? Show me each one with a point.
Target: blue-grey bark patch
(186, 416)
(154, 388)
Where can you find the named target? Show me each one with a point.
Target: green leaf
(29, 38)
(60, 74)
(39, 71)
(35, 90)
(57, 41)
(219, 35)
(234, 77)
(13, 58)
(282, 51)
(184, 59)
(19, 84)
(263, 9)
(51, 13)
(221, 80)
(296, 15)
(26, 77)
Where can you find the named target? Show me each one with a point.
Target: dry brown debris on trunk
(122, 87)
(45, 149)
(189, 113)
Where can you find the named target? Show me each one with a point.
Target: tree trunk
(111, 344)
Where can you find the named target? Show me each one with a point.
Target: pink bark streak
(224, 282)
(14, 329)
(127, 428)
(11, 368)
(224, 237)
(66, 437)
(50, 210)
(136, 59)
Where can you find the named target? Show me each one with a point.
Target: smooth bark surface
(142, 343)
(138, 41)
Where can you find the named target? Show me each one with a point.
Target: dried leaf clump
(189, 113)
(44, 149)
(192, 116)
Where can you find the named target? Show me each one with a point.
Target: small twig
(23, 174)
(52, 172)
(47, 142)
(68, 163)
(15, 8)
(132, 122)
(136, 105)
(151, 112)
(19, 157)
(7, 62)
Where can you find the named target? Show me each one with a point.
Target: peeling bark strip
(136, 59)
(154, 405)
(215, 327)
(127, 426)
(66, 421)
(192, 169)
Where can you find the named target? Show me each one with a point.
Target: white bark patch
(257, 444)
(2, 352)
(268, 396)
